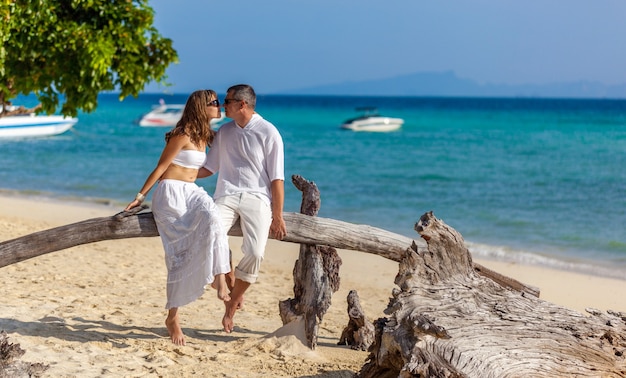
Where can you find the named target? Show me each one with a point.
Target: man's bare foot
(230, 281)
(231, 308)
(219, 284)
(173, 328)
(235, 303)
(228, 324)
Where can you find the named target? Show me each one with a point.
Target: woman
(195, 243)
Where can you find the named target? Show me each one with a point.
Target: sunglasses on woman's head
(214, 103)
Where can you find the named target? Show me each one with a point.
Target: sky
(285, 45)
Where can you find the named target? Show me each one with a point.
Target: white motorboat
(370, 120)
(166, 115)
(31, 125)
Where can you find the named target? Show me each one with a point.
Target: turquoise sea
(539, 181)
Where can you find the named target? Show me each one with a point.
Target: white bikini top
(190, 159)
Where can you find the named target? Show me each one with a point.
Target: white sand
(98, 309)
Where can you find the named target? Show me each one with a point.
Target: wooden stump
(315, 273)
(445, 320)
(359, 333)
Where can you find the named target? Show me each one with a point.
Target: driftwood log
(315, 273)
(301, 229)
(447, 321)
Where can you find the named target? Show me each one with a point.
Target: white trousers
(255, 217)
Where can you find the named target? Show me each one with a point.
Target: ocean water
(539, 181)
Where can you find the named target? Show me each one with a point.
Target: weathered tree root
(359, 333)
(446, 320)
(10, 366)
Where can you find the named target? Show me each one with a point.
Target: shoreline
(98, 309)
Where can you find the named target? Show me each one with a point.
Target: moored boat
(31, 125)
(371, 121)
(167, 115)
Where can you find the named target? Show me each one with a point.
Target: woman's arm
(171, 149)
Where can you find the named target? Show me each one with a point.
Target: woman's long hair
(195, 121)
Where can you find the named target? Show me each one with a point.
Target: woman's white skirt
(195, 243)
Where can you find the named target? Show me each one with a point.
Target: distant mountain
(448, 84)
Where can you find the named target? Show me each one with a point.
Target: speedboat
(31, 125)
(162, 115)
(370, 120)
(167, 115)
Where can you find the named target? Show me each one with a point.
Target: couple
(247, 153)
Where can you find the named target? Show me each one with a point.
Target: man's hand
(278, 229)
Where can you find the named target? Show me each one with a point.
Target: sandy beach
(98, 309)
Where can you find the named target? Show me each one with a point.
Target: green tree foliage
(75, 49)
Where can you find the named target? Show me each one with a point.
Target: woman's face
(214, 107)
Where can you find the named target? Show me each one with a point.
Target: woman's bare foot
(219, 284)
(173, 327)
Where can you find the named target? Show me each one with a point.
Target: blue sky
(289, 44)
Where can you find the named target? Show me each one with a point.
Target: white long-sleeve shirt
(247, 159)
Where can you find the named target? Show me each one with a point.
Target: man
(248, 155)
